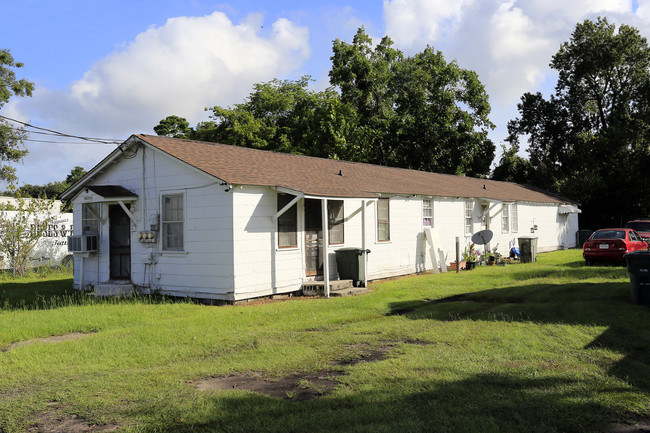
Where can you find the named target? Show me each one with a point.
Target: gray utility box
(528, 249)
(351, 264)
(638, 265)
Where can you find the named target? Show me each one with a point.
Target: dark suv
(642, 227)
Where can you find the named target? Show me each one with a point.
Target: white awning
(568, 208)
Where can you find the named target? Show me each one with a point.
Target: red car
(610, 245)
(642, 227)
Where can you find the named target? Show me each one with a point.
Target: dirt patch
(297, 387)
(51, 339)
(363, 352)
(51, 422)
(301, 387)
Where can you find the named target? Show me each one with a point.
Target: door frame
(116, 270)
(313, 224)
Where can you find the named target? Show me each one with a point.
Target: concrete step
(349, 291)
(113, 289)
(337, 288)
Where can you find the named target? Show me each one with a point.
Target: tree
(174, 126)
(512, 167)
(11, 138)
(592, 138)
(415, 112)
(21, 228)
(75, 174)
(284, 116)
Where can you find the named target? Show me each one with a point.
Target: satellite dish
(482, 237)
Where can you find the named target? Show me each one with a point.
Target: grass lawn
(547, 347)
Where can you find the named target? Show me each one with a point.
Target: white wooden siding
(205, 267)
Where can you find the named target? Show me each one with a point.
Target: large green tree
(591, 140)
(11, 137)
(418, 112)
(384, 108)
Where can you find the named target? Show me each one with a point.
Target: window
(287, 222)
(172, 222)
(427, 213)
(383, 219)
(505, 219)
(90, 218)
(469, 219)
(335, 221)
(514, 221)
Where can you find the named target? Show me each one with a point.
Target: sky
(110, 69)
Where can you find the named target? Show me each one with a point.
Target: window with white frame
(172, 222)
(335, 221)
(505, 219)
(383, 220)
(469, 217)
(90, 213)
(287, 222)
(514, 221)
(427, 213)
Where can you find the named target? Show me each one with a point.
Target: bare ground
(52, 422)
(300, 387)
(50, 339)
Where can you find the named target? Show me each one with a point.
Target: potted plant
(470, 256)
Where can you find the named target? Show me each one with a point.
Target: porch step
(349, 291)
(337, 288)
(113, 289)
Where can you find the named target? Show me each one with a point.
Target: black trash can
(528, 249)
(350, 263)
(638, 265)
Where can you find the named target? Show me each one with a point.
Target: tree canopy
(416, 112)
(384, 108)
(591, 140)
(11, 138)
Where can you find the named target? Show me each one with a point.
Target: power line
(60, 134)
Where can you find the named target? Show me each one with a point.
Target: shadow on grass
(27, 294)
(607, 304)
(482, 403)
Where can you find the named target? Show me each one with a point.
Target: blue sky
(113, 68)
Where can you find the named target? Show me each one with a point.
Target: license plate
(603, 246)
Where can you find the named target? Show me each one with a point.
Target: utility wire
(61, 134)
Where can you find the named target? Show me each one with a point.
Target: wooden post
(326, 264)
(457, 254)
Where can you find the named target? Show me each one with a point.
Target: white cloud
(643, 11)
(408, 22)
(185, 65)
(179, 68)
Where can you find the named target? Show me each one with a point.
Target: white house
(222, 222)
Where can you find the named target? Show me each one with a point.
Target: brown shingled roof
(320, 177)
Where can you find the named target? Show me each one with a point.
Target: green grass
(547, 347)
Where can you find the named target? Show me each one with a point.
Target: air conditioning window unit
(82, 243)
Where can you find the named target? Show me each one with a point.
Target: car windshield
(608, 234)
(639, 226)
